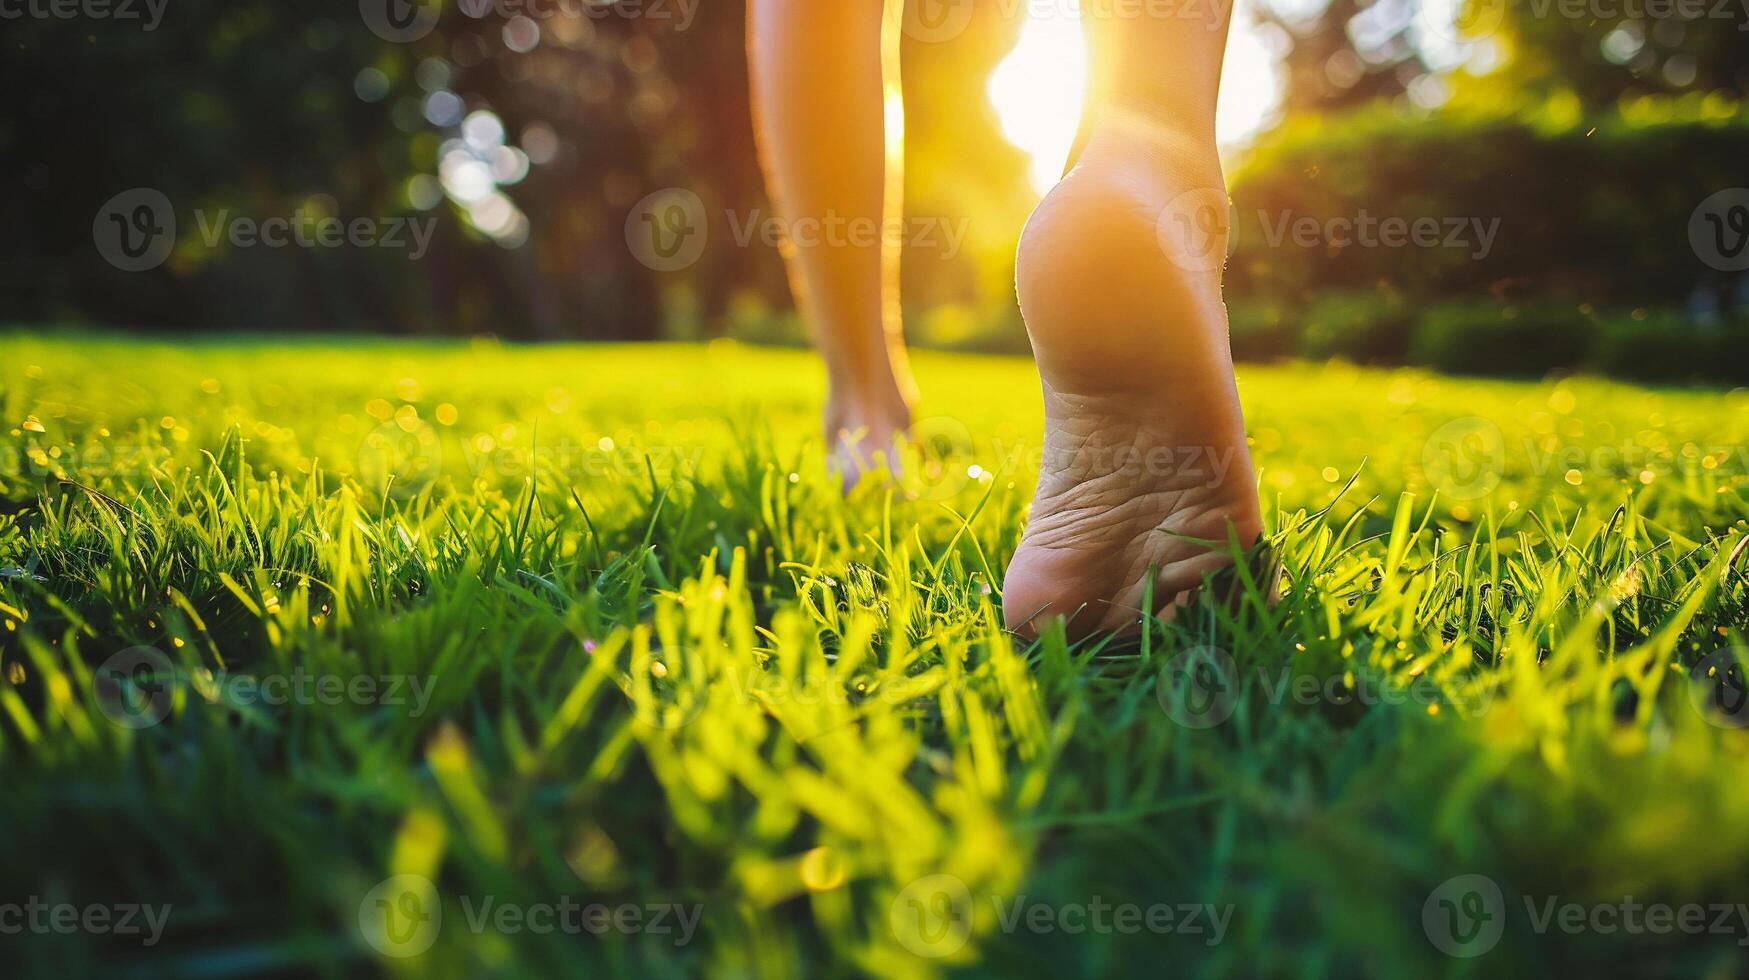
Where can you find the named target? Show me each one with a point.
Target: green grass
(662, 662)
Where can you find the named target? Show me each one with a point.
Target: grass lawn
(568, 660)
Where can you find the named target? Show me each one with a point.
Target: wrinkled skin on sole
(1145, 473)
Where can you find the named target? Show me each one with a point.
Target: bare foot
(863, 433)
(1119, 280)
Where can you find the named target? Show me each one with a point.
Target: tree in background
(1346, 53)
(526, 134)
(1617, 50)
(243, 108)
(259, 110)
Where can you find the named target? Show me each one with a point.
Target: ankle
(1141, 144)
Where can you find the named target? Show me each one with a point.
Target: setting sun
(1038, 90)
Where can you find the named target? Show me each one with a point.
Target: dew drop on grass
(821, 870)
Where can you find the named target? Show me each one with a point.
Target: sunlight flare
(1039, 89)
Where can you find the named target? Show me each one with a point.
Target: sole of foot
(1145, 477)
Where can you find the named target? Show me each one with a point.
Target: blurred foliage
(1589, 139)
(1344, 53)
(1486, 339)
(1615, 51)
(1665, 347)
(1560, 153)
(260, 109)
(1494, 338)
(1618, 234)
(241, 105)
(1369, 328)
